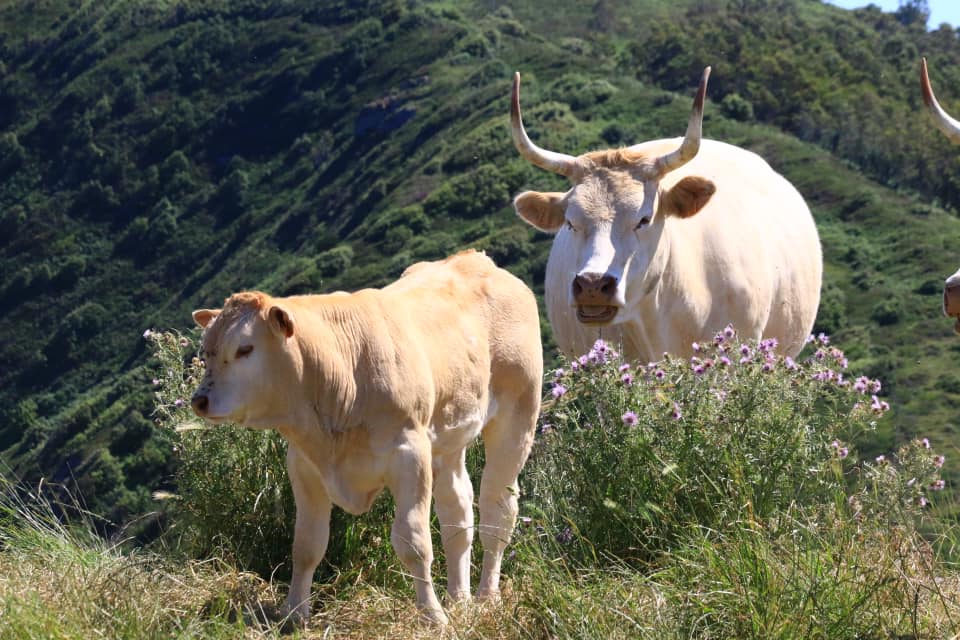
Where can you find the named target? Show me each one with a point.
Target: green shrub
(633, 456)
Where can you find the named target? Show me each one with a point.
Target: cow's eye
(570, 225)
(644, 221)
(245, 350)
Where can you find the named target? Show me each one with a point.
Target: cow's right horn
(550, 160)
(949, 126)
(691, 141)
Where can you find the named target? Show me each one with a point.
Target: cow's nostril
(608, 285)
(199, 404)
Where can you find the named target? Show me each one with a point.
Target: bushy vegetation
(154, 159)
(721, 496)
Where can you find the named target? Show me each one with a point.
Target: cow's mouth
(595, 313)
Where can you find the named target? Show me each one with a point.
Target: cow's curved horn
(550, 160)
(691, 142)
(949, 126)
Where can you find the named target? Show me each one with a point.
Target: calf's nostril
(199, 404)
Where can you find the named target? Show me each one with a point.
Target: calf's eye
(644, 221)
(245, 350)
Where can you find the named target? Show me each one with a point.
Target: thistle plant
(630, 456)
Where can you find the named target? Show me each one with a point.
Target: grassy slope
(288, 153)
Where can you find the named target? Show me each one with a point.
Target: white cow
(664, 243)
(386, 388)
(951, 129)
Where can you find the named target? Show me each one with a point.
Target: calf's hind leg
(453, 499)
(507, 440)
(410, 481)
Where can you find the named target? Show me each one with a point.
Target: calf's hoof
(434, 617)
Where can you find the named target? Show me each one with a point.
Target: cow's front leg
(311, 533)
(410, 482)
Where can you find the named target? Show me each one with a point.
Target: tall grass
(718, 497)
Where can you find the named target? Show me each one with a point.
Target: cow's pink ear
(203, 317)
(687, 197)
(281, 322)
(541, 210)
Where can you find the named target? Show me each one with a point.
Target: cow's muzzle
(951, 301)
(594, 295)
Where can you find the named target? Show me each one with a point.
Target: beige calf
(386, 388)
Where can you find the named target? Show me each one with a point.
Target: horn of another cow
(550, 160)
(691, 141)
(946, 124)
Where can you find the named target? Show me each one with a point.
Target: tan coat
(385, 388)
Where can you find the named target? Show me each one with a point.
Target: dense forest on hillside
(155, 157)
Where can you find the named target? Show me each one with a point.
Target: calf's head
(609, 224)
(247, 360)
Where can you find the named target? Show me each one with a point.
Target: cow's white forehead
(603, 195)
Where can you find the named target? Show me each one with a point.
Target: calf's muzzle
(200, 402)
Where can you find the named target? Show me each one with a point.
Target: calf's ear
(203, 317)
(541, 210)
(687, 197)
(280, 321)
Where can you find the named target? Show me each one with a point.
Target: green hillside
(156, 156)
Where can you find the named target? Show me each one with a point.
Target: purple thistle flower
(880, 459)
(659, 374)
(724, 360)
(623, 367)
(600, 346)
(629, 418)
(860, 385)
(823, 338)
(938, 461)
(558, 390)
(583, 360)
(878, 405)
(574, 366)
(626, 379)
(676, 411)
(178, 402)
(565, 536)
(559, 373)
(925, 443)
(698, 369)
(789, 363)
(874, 386)
(842, 452)
(729, 332)
(844, 363)
(938, 485)
(744, 360)
(155, 382)
(811, 338)
(696, 347)
(718, 339)
(147, 333)
(745, 349)
(820, 354)
(767, 367)
(922, 501)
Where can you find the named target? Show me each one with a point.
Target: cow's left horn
(691, 142)
(949, 126)
(550, 160)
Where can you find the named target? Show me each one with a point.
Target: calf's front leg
(311, 532)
